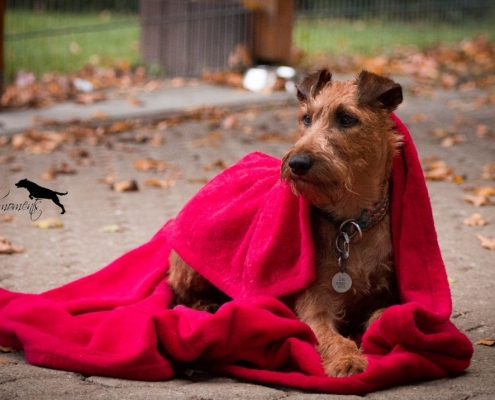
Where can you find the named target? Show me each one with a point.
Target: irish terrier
(341, 165)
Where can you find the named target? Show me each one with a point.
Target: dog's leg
(57, 202)
(340, 356)
(191, 289)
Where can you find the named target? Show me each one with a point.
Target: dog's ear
(373, 87)
(311, 85)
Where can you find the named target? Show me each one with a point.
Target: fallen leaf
(475, 220)
(198, 180)
(481, 130)
(90, 98)
(125, 186)
(150, 164)
(210, 140)
(48, 223)
(7, 350)
(114, 228)
(154, 182)
(452, 140)
(217, 164)
(7, 218)
(488, 172)
(486, 242)
(481, 196)
(451, 280)
(157, 140)
(134, 101)
(61, 169)
(438, 171)
(7, 248)
(485, 342)
(109, 179)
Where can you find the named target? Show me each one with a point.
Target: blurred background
(201, 38)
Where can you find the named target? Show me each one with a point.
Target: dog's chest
(367, 262)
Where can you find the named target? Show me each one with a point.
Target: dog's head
(346, 140)
(23, 183)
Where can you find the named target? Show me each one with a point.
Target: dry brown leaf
(481, 196)
(230, 122)
(61, 169)
(475, 220)
(452, 140)
(7, 248)
(48, 223)
(481, 130)
(6, 349)
(125, 186)
(476, 200)
(486, 242)
(7, 218)
(150, 164)
(418, 117)
(217, 164)
(486, 342)
(211, 139)
(488, 172)
(157, 139)
(155, 182)
(438, 171)
(198, 180)
(90, 98)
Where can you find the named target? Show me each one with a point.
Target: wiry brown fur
(347, 134)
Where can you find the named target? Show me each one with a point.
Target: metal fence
(185, 37)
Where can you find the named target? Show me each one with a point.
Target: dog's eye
(306, 119)
(347, 121)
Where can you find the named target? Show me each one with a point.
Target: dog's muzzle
(300, 164)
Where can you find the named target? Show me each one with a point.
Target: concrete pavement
(101, 224)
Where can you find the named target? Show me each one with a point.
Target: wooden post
(273, 30)
(2, 38)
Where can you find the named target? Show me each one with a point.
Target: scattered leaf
(90, 98)
(488, 172)
(211, 139)
(155, 182)
(485, 342)
(7, 248)
(48, 223)
(481, 196)
(220, 164)
(451, 280)
(7, 350)
(125, 186)
(438, 171)
(150, 164)
(475, 220)
(7, 218)
(114, 228)
(486, 243)
(61, 169)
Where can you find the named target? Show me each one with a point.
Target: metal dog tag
(341, 282)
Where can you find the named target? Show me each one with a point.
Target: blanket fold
(249, 235)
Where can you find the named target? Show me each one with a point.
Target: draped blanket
(250, 235)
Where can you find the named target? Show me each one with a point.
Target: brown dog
(341, 165)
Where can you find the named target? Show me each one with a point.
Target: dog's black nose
(300, 164)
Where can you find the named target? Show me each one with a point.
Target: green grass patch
(35, 41)
(372, 37)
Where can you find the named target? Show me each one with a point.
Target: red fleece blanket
(250, 235)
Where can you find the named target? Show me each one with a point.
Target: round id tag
(341, 282)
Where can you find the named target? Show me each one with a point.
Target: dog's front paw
(342, 357)
(346, 365)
